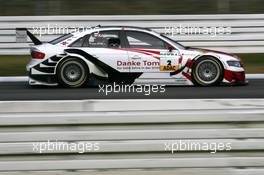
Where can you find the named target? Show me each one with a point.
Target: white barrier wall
(231, 33)
(134, 140)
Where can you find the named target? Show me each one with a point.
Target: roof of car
(134, 27)
(98, 27)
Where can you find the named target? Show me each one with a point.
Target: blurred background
(123, 7)
(249, 31)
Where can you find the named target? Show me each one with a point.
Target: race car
(125, 54)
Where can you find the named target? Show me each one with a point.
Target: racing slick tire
(207, 71)
(72, 72)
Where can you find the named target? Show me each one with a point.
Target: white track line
(25, 78)
(14, 79)
(254, 76)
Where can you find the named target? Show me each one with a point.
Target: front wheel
(207, 71)
(72, 73)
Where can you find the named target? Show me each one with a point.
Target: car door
(148, 53)
(108, 52)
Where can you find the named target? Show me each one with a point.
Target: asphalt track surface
(21, 91)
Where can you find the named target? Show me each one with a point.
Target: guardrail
(132, 137)
(247, 30)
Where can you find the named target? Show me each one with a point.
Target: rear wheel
(72, 72)
(207, 71)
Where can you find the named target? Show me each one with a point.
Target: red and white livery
(128, 55)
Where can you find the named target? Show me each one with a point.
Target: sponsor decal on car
(138, 64)
(169, 61)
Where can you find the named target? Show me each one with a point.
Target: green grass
(254, 63)
(13, 65)
(16, 65)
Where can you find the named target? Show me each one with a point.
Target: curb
(64, 106)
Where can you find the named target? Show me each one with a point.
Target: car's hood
(204, 51)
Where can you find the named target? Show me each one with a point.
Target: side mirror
(170, 48)
(113, 42)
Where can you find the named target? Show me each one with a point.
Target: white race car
(133, 55)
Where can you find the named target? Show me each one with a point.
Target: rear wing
(21, 36)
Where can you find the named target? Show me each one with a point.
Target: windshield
(61, 38)
(173, 41)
